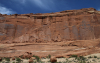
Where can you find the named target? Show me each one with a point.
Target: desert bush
(82, 61)
(49, 56)
(74, 56)
(88, 62)
(7, 59)
(21, 56)
(58, 62)
(34, 61)
(77, 58)
(89, 57)
(82, 58)
(18, 59)
(37, 58)
(95, 56)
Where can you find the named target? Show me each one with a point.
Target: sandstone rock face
(67, 25)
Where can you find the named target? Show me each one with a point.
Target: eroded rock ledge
(83, 24)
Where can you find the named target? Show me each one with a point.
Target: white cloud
(4, 10)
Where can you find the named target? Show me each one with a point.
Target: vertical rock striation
(66, 25)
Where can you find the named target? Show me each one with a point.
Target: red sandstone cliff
(83, 24)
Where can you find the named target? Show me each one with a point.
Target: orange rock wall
(83, 24)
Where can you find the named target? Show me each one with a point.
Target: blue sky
(44, 6)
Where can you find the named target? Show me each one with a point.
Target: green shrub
(7, 59)
(49, 56)
(21, 56)
(77, 58)
(95, 56)
(34, 61)
(82, 61)
(82, 58)
(74, 56)
(89, 57)
(37, 58)
(88, 62)
(18, 59)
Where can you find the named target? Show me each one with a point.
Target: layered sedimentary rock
(83, 24)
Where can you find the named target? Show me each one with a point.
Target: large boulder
(33, 58)
(13, 58)
(0, 59)
(27, 55)
(30, 60)
(53, 59)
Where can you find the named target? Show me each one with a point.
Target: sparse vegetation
(95, 56)
(21, 56)
(73, 59)
(7, 59)
(89, 57)
(82, 58)
(74, 56)
(18, 59)
(37, 58)
(82, 61)
(49, 56)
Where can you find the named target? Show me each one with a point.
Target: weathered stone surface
(30, 60)
(67, 25)
(53, 59)
(13, 58)
(27, 55)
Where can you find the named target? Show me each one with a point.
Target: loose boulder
(30, 60)
(13, 58)
(33, 58)
(53, 59)
(27, 55)
(0, 59)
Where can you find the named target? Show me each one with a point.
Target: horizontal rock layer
(83, 24)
